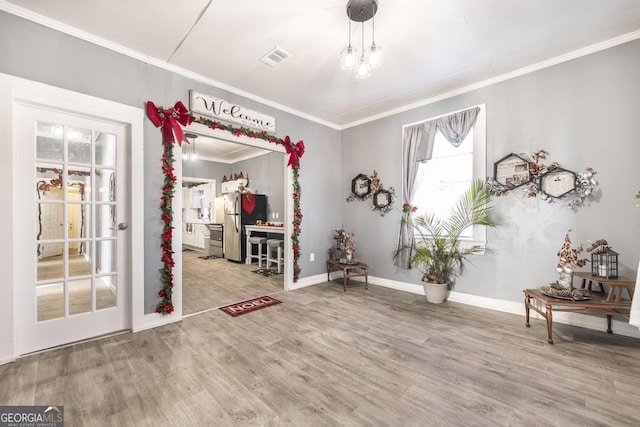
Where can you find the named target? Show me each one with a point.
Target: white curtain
(417, 141)
(634, 318)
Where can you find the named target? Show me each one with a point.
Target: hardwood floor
(325, 357)
(213, 283)
(50, 297)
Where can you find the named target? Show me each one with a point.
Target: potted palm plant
(438, 251)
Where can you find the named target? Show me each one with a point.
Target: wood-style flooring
(210, 283)
(325, 357)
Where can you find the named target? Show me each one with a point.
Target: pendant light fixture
(349, 54)
(375, 55)
(364, 69)
(361, 11)
(190, 154)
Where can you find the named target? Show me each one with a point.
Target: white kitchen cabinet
(186, 197)
(231, 186)
(208, 194)
(187, 234)
(202, 196)
(200, 235)
(197, 195)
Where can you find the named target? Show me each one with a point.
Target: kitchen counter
(270, 229)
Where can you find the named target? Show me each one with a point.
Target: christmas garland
(170, 121)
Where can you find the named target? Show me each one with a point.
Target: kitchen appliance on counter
(214, 245)
(240, 210)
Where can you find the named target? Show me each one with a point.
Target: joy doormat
(244, 307)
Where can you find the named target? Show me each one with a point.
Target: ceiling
(431, 48)
(218, 150)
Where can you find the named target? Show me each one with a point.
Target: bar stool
(275, 245)
(256, 240)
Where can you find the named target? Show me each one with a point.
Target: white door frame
(14, 90)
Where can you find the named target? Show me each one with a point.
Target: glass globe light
(363, 70)
(349, 58)
(375, 56)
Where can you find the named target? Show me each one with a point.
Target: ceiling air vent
(275, 57)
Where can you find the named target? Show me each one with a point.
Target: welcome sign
(224, 110)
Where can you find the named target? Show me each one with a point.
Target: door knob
(121, 226)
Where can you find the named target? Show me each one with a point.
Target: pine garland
(165, 306)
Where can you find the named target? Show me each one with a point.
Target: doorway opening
(228, 170)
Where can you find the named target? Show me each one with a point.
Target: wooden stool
(255, 240)
(275, 245)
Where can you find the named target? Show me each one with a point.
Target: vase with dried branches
(568, 260)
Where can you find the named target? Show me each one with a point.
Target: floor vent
(275, 57)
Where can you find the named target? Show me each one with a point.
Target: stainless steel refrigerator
(241, 210)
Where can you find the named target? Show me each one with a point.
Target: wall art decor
(364, 187)
(549, 181)
(557, 182)
(361, 187)
(512, 171)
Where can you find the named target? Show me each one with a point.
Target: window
(450, 171)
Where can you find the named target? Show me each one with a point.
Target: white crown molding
(75, 32)
(83, 35)
(616, 41)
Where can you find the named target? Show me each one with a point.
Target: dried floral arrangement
(568, 257)
(345, 240)
(585, 181)
(557, 291)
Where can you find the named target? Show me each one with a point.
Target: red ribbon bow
(295, 151)
(170, 120)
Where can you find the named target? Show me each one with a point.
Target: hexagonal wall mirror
(361, 186)
(558, 182)
(511, 171)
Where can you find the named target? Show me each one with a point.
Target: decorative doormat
(244, 307)
(266, 272)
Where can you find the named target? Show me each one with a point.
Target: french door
(72, 239)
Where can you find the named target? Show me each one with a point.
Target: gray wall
(584, 112)
(41, 54)
(266, 176)
(206, 169)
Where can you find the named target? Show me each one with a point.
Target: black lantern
(605, 264)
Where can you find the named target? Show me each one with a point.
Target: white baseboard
(308, 281)
(7, 360)
(153, 320)
(597, 323)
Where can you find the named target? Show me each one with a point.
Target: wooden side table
(615, 285)
(349, 269)
(545, 305)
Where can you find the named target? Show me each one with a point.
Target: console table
(599, 304)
